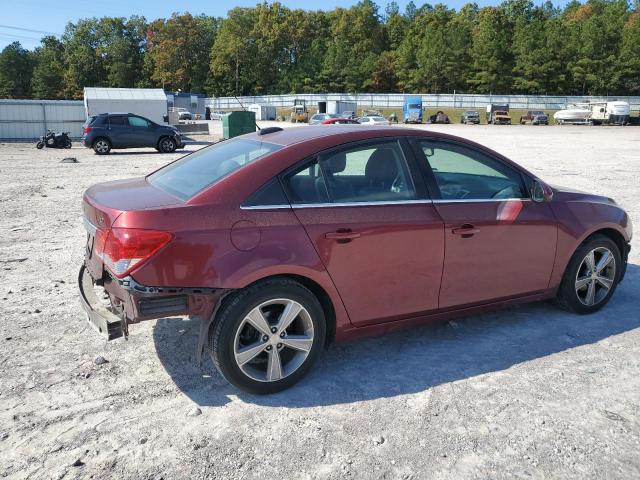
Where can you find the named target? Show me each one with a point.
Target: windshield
(471, 112)
(190, 175)
(378, 119)
(415, 105)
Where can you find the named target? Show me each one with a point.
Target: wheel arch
(101, 137)
(319, 292)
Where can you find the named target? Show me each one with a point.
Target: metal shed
(146, 102)
(29, 119)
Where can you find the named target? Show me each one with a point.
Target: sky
(28, 20)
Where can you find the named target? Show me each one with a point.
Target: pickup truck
(535, 117)
(501, 117)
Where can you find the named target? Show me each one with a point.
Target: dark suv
(126, 130)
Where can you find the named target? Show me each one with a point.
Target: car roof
(294, 135)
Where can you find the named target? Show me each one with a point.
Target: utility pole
(237, 76)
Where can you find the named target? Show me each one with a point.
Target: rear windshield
(190, 175)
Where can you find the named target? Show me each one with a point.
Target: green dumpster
(238, 123)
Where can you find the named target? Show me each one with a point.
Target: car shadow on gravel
(413, 360)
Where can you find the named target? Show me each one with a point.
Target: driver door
(498, 242)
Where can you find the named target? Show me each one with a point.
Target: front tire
(592, 276)
(167, 145)
(268, 336)
(40, 145)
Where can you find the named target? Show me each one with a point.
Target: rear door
(378, 235)
(142, 132)
(498, 242)
(119, 131)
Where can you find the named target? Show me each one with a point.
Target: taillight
(123, 249)
(86, 130)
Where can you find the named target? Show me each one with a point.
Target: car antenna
(245, 109)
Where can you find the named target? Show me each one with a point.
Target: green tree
(48, 72)
(121, 47)
(491, 53)
(16, 68)
(84, 67)
(357, 37)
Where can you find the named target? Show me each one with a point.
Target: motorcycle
(54, 140)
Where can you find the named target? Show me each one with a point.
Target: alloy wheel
(595, 276)
(102, 146)
(166, 145)
(273, 340)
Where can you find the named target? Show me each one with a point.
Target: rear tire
(250, 343)
(102, 146)
(591, 276)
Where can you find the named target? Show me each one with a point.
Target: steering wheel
(506, 191)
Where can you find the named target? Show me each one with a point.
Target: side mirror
(541, 192)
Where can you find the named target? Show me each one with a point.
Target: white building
(150, 103)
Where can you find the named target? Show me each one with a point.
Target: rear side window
(117, 120)
(306, 185)
(191, 174)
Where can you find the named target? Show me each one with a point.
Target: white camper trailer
(611, 113)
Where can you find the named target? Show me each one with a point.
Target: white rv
(616, 112)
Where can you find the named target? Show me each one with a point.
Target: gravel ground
(528, 392)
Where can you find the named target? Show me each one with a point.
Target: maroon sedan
(285, 240)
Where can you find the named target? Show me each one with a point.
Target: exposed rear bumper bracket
(107, 323)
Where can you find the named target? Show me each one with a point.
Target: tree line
(516, 47)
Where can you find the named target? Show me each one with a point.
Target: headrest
(382, 165)
(336, 163)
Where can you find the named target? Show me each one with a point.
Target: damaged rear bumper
(130, 302)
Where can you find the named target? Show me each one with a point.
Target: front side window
(138, 122)
(465, 174)
(372, 173)
(191, 174)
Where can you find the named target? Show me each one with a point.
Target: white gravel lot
(528, 392)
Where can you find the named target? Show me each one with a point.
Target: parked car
(349, 114)
(535, 117)
(184, 114)
(439, 117)
(470, 116)
(339, 121)
(373, 120)
(281, 241)
(318, 118)
(125, 130)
